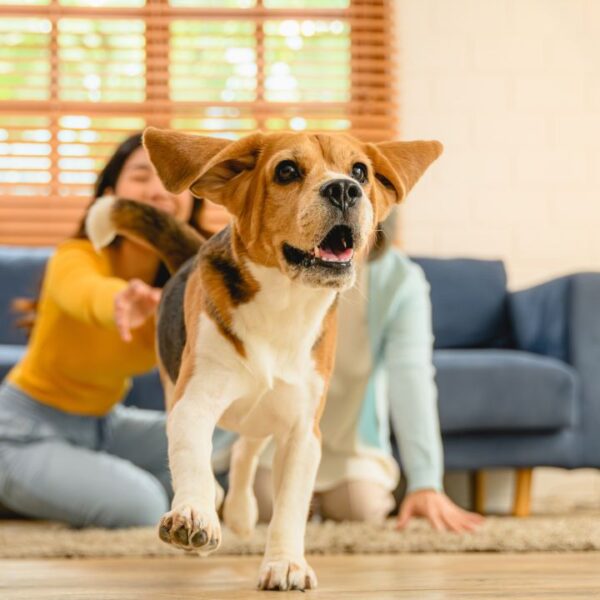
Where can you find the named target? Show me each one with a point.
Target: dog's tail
(173, 241)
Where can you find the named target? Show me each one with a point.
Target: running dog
(247, 324)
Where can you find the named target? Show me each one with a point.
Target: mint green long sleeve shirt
(402, 381)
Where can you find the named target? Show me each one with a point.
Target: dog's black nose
(342, 193)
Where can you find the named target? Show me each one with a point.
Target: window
(77, 76)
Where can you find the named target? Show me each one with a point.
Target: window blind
(77, 76)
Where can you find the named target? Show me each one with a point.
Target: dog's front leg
(192, 523)
(294, 470)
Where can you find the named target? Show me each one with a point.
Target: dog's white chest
(280, 326)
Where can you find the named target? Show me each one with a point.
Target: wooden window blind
(77, 76)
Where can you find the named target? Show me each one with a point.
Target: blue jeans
(107, 471)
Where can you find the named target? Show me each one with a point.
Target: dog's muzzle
(335, 251)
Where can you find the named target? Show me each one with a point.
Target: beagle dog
(247, 324)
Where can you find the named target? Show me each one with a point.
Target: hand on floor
(439, 510)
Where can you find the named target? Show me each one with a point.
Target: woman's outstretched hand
(439, 510)
(134, 306)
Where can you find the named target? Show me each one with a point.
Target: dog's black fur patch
(232, 277)
(220, 260)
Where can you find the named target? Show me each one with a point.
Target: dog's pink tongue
(343, 256)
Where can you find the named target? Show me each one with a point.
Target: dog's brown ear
(398, 166)
(225, 179)
(179, 157)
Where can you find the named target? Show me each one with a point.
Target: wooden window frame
(372, 110)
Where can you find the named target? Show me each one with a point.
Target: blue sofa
(518, 373)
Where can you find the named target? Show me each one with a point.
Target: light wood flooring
(421, 577)
(415, 576)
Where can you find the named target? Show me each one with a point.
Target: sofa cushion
(469, 302)
(504, 390)
(21, 272)
(146, 392)
(540, 318)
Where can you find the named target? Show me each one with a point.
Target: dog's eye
(287, 171)
(359, 172)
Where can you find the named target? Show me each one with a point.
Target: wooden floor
(418, 577)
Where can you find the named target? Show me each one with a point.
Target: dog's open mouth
(335, 251)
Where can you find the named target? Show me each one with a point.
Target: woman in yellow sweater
(67, 450)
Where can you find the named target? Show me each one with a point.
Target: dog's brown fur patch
(218, 284)
(226, 284)
(323, 353)
(192, 307)
(226, 262)
(167, 384)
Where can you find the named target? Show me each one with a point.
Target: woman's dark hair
(109, 176)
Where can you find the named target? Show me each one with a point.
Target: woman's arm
(413, 406)
(411, 386)
(77, 282)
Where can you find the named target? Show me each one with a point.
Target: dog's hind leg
(294, 470)
(240, 511)
(297, 456)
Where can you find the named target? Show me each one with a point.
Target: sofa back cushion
(469, 302)
(21, 271)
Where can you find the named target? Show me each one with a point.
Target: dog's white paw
(240, 513)
(189, 528)
(286, 574)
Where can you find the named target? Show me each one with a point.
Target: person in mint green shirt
(383, 372)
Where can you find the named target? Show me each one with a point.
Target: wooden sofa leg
(522, 505)
(478, 492)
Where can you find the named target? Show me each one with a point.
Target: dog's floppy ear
(398, 166)
(225, 179)
(179, 157)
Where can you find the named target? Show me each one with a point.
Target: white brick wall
(512, 89)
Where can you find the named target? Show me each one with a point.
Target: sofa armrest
(561, 318)
(558, 318)
(540, 318)
(584, 323)
(584, 341)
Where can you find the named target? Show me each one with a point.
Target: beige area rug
(20, 539)
(566, 518)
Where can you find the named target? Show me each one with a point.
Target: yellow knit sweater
(75, 360)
